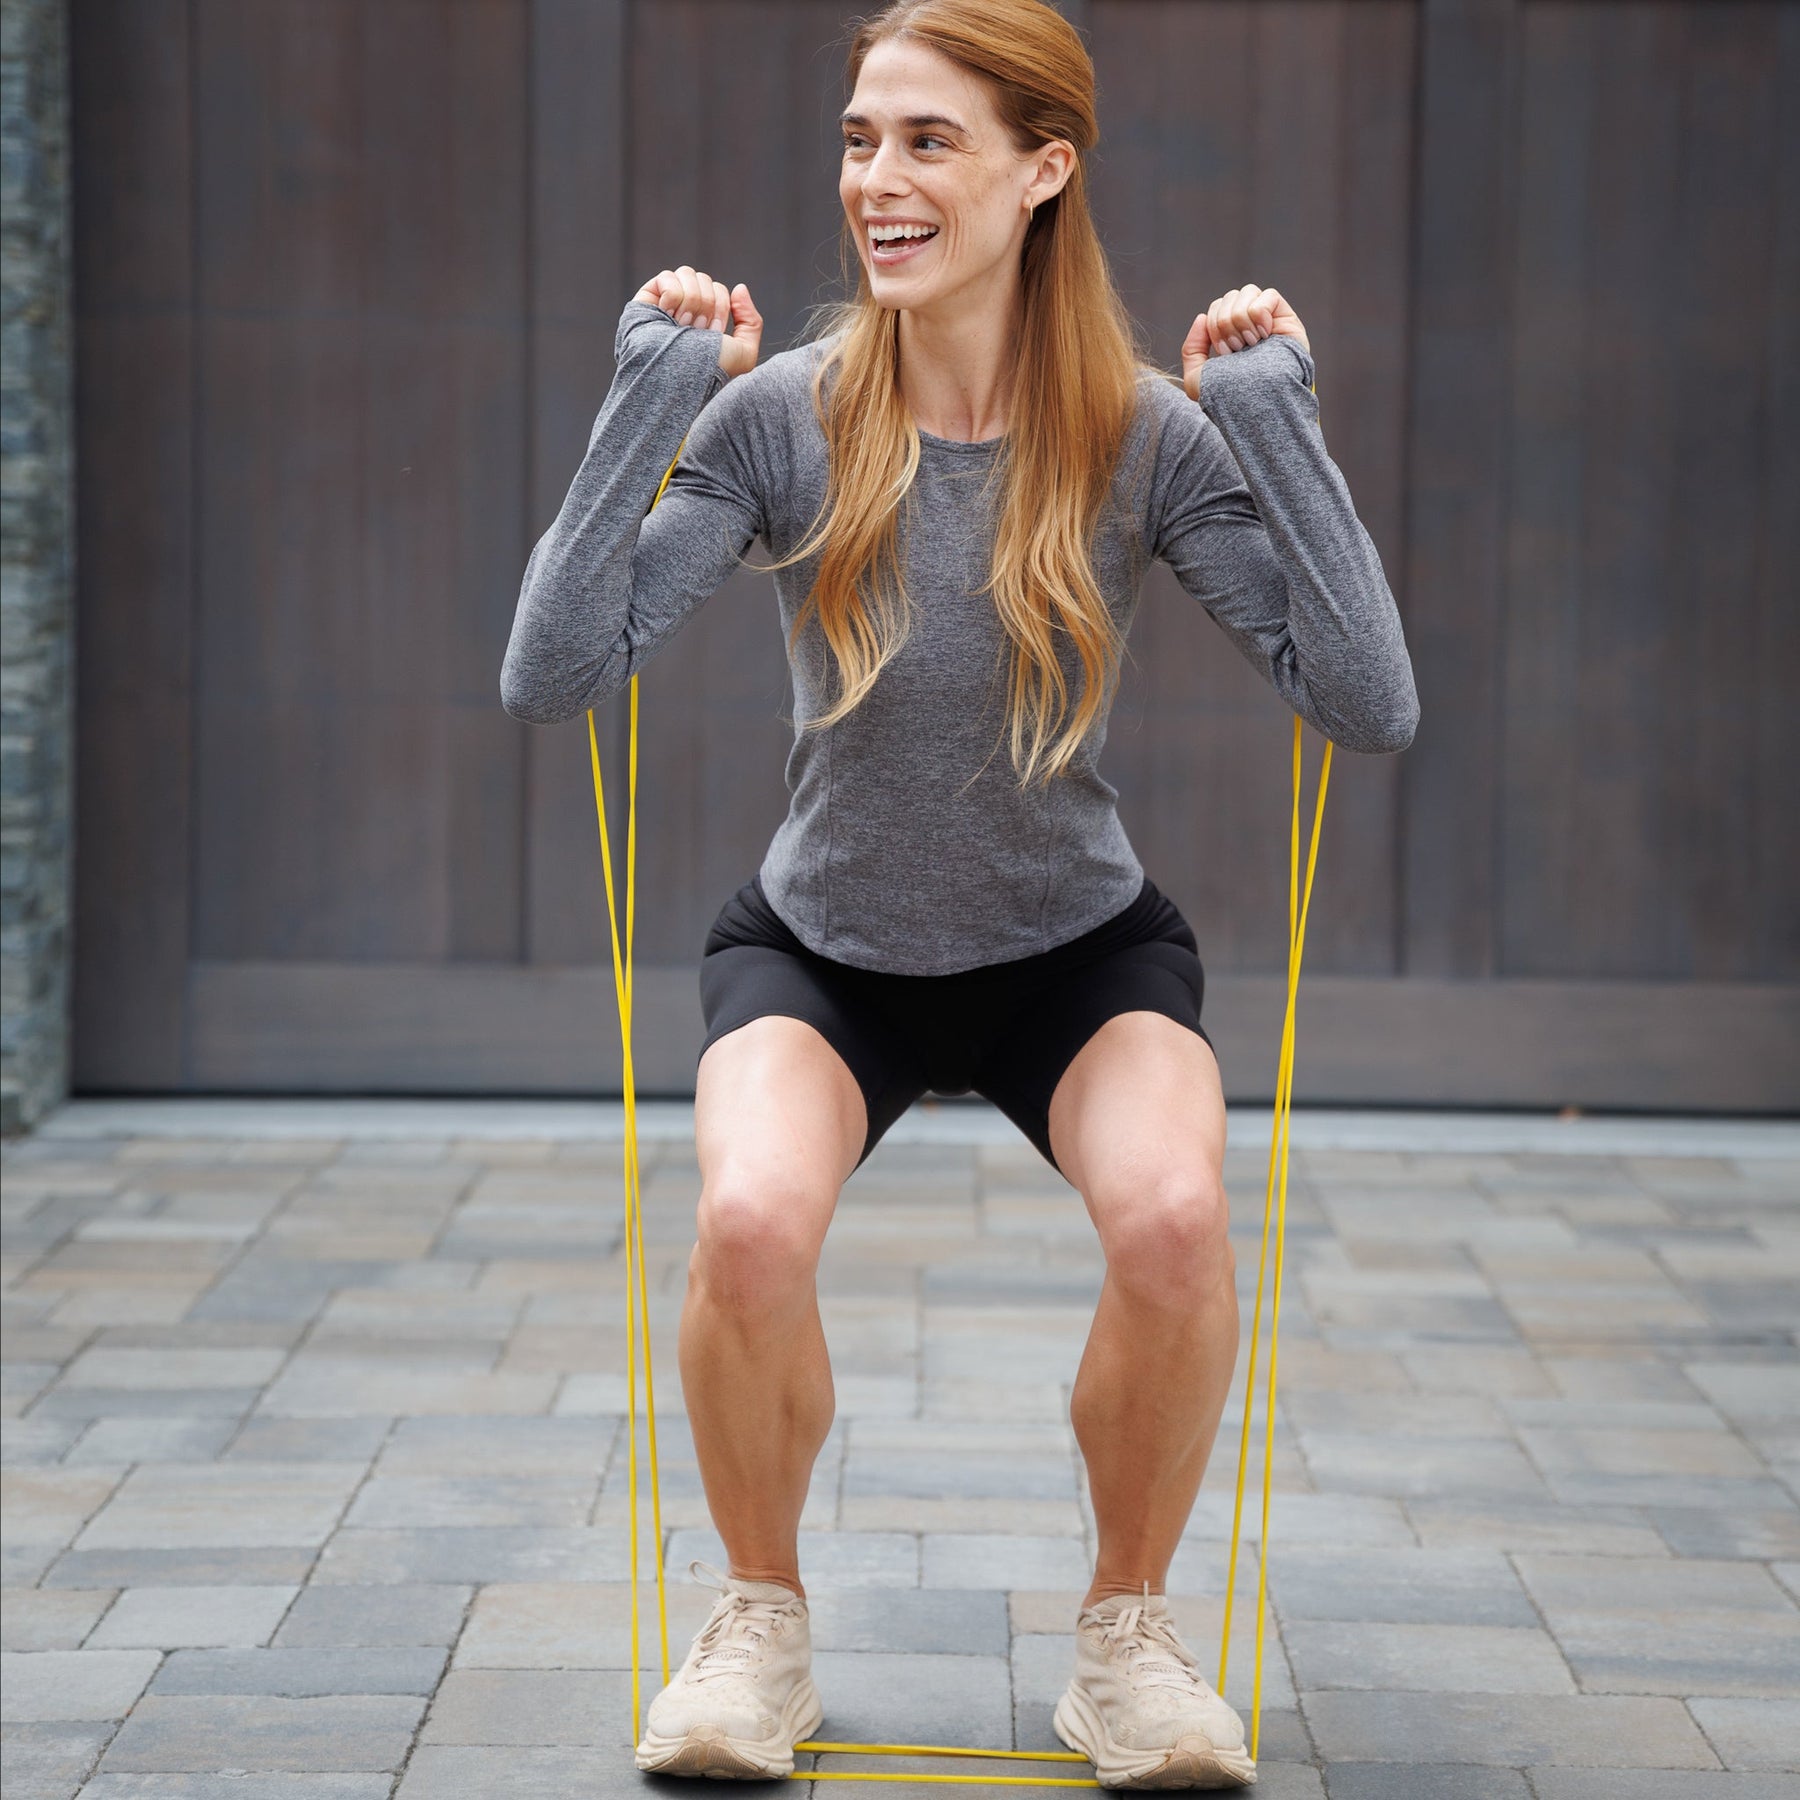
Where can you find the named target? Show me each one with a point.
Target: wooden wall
(347, 278)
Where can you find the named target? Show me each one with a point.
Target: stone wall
(37, 619)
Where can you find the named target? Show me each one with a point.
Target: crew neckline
(931, 437)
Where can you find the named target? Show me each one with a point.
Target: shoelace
(720, 1648)
(1146, 1638)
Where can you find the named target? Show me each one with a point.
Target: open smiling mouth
(885, 253)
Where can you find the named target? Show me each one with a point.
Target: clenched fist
(692, 298)
(1235, 321)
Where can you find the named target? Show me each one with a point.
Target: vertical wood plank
(1639, 504)
(1773, 927)
(1290, 172)
(135, 427)
(1462, 250)
(582, 145)
(750, 194)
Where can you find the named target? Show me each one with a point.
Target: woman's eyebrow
(913, 121)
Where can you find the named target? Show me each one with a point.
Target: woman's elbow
(543, 693)
(1395, 732)
(1383, 733)
(531, 701)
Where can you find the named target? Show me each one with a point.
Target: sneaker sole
(1194, 1762)
(710, 1750)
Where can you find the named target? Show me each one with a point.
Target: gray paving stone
(1747, 1390)
(428, 1502)
(37, 1440)
(1407, 1467)
(1319, 1519)
(391, 1669)
(1473, 1523)
(50, 1506)
(976, 1770)
(1596, 1583)
(49, 1759)
(178, 1369)
(1709, 1532)
(155, 1439)
(326, 1388)
(480, 1772)
(177, 1618)
(975, 1560)
(238, 1787)
(1494, 1659)
(962, 1622)
(1442, 1587)
(531, 1707)
(923, 1474)
(21, 1565)
(476, 1554)
(1752, 1734)
(1632, 1376)
(58, 1685)
(329, 1618)
(1430, 1415)
(519, 1446)
(178, 1733)
(1687, 1650)
(1423, 1781)
(1507, 1729)
(279, 1288)
(49, 1618)
(1656, 1784)
(201, 1566)
(1593, 1450)
(568, 1625)
(87, 1404)
(165, 1506)
(348, 1440)
(892, 1698)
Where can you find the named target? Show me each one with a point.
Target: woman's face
(923, 147)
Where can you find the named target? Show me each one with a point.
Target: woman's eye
(855, 141)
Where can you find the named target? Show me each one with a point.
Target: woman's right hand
(692, 298)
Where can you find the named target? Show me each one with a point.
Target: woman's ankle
(788, 1577)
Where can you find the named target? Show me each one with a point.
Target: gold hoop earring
(1030, 207)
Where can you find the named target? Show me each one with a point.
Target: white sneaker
(1137, 1707)
(745, 1695)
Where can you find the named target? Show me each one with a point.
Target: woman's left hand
(1235, 321)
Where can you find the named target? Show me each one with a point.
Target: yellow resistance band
(637, 1302)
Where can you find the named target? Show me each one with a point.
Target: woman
(969, 471)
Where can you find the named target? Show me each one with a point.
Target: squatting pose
(961, 477)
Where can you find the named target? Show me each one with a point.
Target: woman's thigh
(779, 1123)
(1137, 1120)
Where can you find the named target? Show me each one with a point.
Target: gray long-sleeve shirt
(908, 845)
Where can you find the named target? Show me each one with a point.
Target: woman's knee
(1167, 1239)
(758, 1243)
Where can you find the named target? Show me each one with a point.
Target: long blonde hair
(1079, 357)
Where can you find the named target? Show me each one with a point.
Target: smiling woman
(962, 476)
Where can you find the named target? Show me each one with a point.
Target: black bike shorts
(1004, 1030)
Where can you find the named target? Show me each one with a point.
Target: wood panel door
(347, 283)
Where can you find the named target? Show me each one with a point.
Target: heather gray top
(908, 846)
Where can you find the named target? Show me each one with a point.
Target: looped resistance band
(637, 1300)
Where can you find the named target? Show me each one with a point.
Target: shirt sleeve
(612, 581)
(1257, 522)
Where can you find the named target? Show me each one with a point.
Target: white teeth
(887, 234)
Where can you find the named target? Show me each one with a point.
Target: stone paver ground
(316, 1470)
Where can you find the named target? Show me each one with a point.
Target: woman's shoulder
(1163, 401)
(1166, 425)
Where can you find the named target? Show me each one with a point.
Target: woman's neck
(957, 370)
